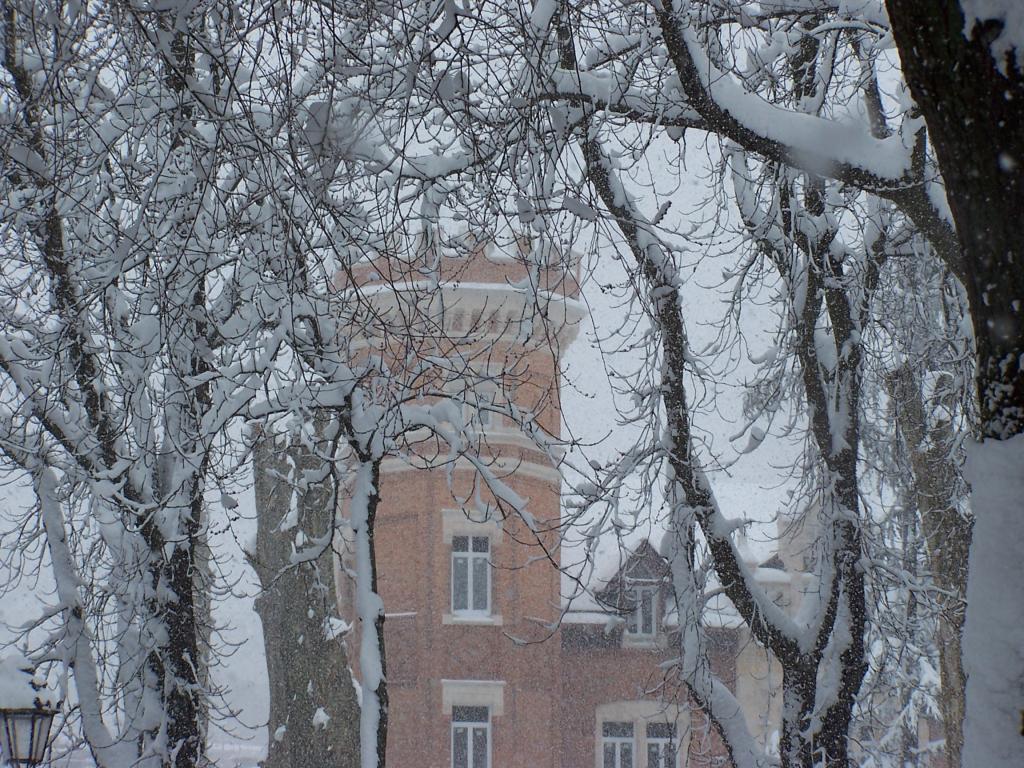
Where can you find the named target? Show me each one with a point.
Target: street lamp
(27, 710)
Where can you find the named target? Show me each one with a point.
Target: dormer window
(635, 597)
(642, 621)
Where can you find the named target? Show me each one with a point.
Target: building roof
(595, 590)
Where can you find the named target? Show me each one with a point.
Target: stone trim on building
(467, 522)
(473, 693)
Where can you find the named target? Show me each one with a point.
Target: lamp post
(27, 710)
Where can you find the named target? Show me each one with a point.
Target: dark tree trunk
(974, 108)
(307, 666)
(185, 727)
(973, 105)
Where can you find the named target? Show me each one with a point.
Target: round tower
(467, 534)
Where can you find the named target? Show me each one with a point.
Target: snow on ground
(994, 635)
(243, 675)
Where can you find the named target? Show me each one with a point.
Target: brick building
(488, 662)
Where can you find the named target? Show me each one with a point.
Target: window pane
(480, 751)
(609, 756)
(481, 544)
(481, 587)
(661, 730)
(21, 733)
(460, 583)
(621, 730)
(460, 747)
(460, 543)
(660, 754)
(626, 755)
(470, 714)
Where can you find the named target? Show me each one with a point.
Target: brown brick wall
(414, 566)
(597, 669)
(552, 684)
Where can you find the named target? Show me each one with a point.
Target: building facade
(488, 662)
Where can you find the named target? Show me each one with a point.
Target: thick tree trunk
(185, 728)
(973, 105)
(974, 108)
(314, 713)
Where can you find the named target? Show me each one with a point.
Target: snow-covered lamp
(27, 710)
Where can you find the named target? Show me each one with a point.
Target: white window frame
(472, 522)
(472, 558)
(663, 743)
(618, 742)
(635, 620)
(640, 714)
(471, 727)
